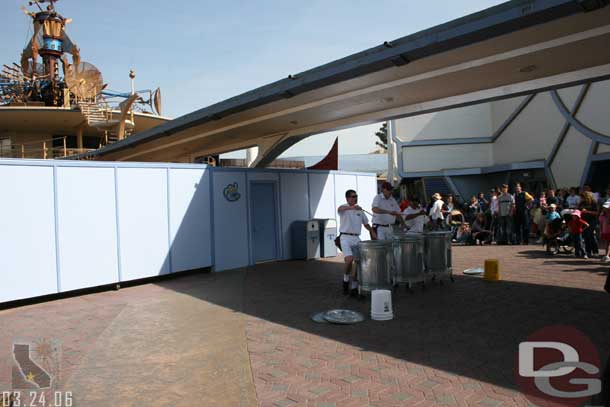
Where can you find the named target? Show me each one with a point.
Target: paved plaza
(245, 338)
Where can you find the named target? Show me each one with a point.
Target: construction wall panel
(322, 195)
(143, 222)
(27, 232)
(343, 183)
(367, 190)
(87, 229)
(294, 205)
(231, 233)
(190, 219)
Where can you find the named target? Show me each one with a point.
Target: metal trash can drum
(375, 265)
(408, 250)
(328, 233)
(437, 254)
(305, 239)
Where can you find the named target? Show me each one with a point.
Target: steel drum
(437, 253)
(408, 258)
(375, 265)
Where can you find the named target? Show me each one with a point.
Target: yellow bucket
(492, 270)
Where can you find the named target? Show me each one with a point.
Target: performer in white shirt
(352, 218)
(415, 216)
(385, 210)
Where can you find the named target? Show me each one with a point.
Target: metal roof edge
(494, 21)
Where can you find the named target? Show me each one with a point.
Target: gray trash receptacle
(328, 233)
(305, 239)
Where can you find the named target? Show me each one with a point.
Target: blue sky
(202, 52)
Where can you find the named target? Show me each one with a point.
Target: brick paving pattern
(452, 345)
(245, 338)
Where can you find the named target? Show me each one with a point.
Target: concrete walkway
(150, 345)
(244, 338)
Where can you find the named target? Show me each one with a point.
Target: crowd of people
(578, 219)
(574, 219)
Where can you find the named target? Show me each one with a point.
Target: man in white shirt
(385, 210)
(352, 218)
(573, 200)
(415, 216)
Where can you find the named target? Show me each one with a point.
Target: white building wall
(603, 148)
(435, 158)
(502, 109)
(595, 109)
(571, 159)
(531, 135)
(569, 95)
(467, 122)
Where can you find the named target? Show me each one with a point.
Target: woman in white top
(436, 211)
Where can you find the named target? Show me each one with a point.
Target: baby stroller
(455, 219)
(557, 238)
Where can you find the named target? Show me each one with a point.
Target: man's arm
(381, 211)
(371, 230)
(345, 207)
(414, 215)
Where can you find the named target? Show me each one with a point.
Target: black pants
(590, 240)
(482, 236)
(577, 242)
(522, 228)
(504, 225)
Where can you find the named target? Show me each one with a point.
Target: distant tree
(382, 135)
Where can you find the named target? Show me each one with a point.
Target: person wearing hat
(552, 229)
(604, 227)
(385, 210)
(436, 211)
(577, 226)
(552, 214)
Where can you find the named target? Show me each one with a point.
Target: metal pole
(65, 150)
(44, 150)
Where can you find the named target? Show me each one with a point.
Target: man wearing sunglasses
(352, 218)
(385, 210)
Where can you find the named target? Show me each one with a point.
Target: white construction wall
(71, 225)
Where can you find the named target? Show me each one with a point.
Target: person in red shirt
(404, 204)
(576, 227)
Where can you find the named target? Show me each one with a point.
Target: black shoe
(345, 287)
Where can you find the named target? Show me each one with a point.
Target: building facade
(557, 138)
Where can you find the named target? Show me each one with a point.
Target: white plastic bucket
(381, 305)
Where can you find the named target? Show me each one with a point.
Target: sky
(203, 52)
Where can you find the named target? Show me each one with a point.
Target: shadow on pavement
(470, 328)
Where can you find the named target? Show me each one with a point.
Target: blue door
(264, 227)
